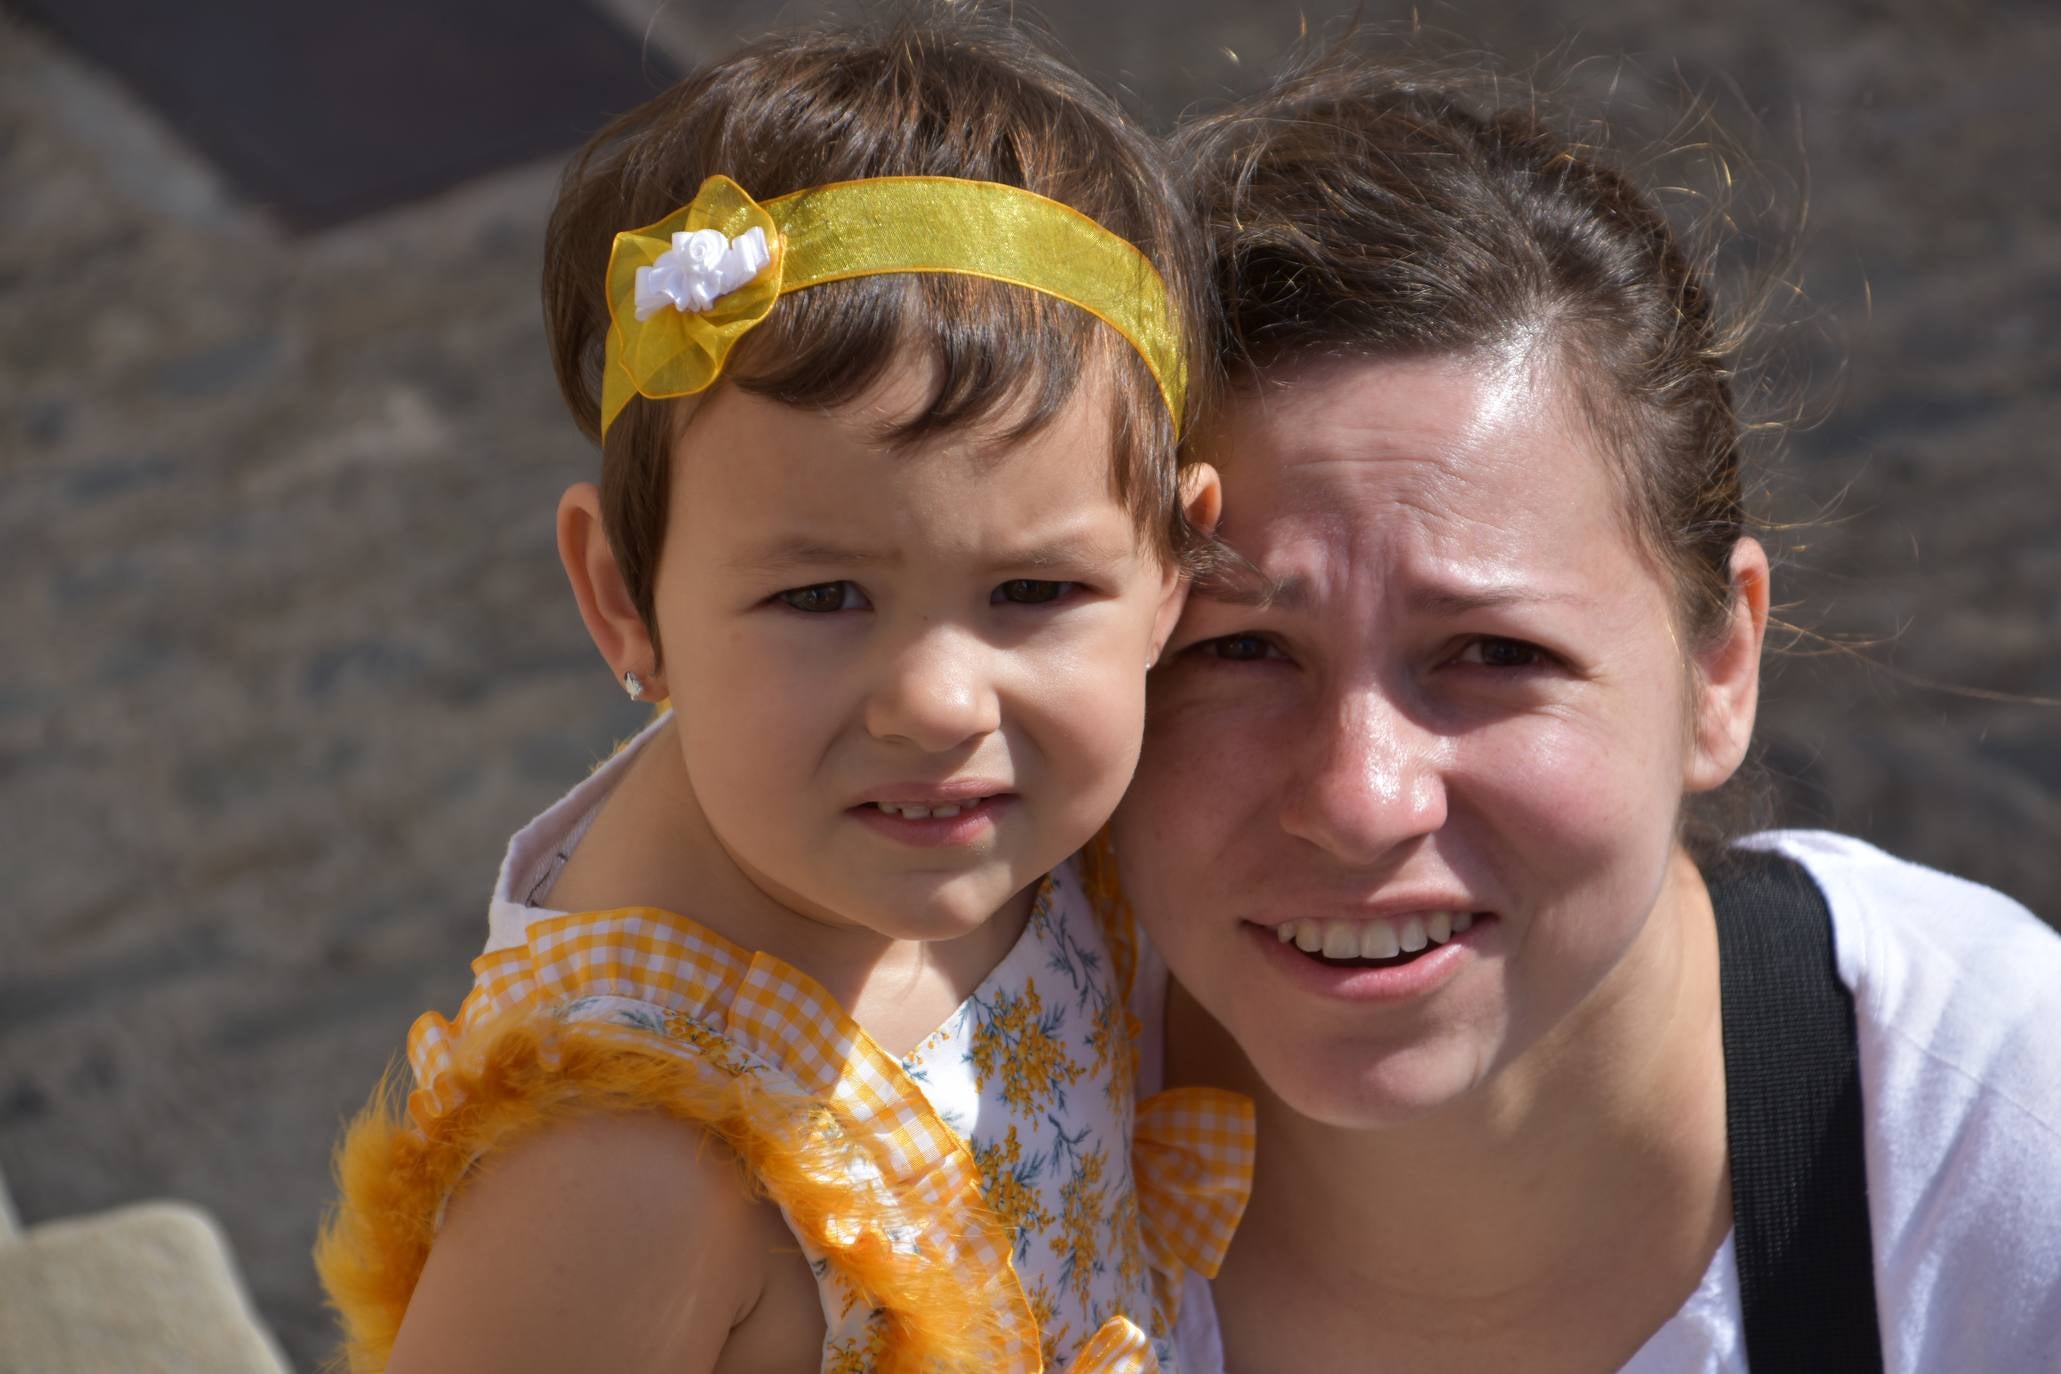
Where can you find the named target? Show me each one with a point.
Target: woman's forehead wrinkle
(1440, 507)
(1447, 510)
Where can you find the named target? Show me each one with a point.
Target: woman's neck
(1555, 1217)
(651, 845)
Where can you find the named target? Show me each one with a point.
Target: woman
(1410, 827)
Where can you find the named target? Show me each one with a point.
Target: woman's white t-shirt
(1957, 1000)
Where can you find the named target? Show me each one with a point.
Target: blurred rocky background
(288, 653)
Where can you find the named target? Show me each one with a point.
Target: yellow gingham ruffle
(743, 1015)
(731, 1023)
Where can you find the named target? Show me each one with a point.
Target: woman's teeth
(1376, 939)
(943, 811)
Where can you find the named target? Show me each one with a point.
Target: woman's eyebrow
(1249, 587)
(1462, 600)
(1292, 593)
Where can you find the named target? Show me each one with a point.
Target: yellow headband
(683, 291)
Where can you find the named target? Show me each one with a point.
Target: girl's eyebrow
(1061, 553)
(804, 552)
(797, 552)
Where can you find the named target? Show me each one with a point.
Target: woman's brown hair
(940, 90)
(1359, 209)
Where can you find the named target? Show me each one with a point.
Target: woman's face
(1462, 712)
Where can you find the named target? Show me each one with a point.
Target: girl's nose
(1368, 781)
(935, 692)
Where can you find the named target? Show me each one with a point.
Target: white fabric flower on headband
(700, 268)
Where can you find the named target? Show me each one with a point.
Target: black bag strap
(1793, 1124)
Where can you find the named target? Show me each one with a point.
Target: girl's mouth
(939, 810)
(936, 823)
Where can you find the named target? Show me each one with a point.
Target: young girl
(884, 342)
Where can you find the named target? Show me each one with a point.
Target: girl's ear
(1728, 675)
(1202, 497)
(606, 606)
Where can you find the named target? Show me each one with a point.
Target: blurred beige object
(149, 1289)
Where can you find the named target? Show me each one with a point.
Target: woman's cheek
(1181, 813)
(1574, 822)
(1203, 725)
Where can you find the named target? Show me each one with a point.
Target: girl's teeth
(1377, 939)
(917, 813)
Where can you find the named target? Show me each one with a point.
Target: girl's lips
(970, 822)
(950, 791)
(1366, 982)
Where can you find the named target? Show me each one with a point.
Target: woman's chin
(1351, 1088)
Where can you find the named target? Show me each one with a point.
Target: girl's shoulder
(643, 1015)
(613, 1240)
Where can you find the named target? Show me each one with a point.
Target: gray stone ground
(289, 653)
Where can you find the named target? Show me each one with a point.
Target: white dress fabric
(1957, 1001)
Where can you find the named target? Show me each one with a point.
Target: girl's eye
(1029, 591)
(1491, 652)
(823, 596)
(1245, 648)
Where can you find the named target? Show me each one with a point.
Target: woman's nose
(935, 692)
(1368, 780)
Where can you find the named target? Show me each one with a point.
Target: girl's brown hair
(942, 90)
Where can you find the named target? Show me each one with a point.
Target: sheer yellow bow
(1117, 1347)
(683, 291)
(1192, 1155)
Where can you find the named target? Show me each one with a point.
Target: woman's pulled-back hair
(942, 90)
(1359, 210)
(1363, 210)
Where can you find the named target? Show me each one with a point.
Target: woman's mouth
(1379, 942)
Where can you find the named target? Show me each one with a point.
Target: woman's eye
(1247, 648)
(1029, 591)
(823, 596)
(1491, 652)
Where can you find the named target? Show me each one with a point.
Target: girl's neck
(651, 845)
(1552, 1218)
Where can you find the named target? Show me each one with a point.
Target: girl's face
(1461, 724)
(909, 679)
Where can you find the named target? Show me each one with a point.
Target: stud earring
(633, 684)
